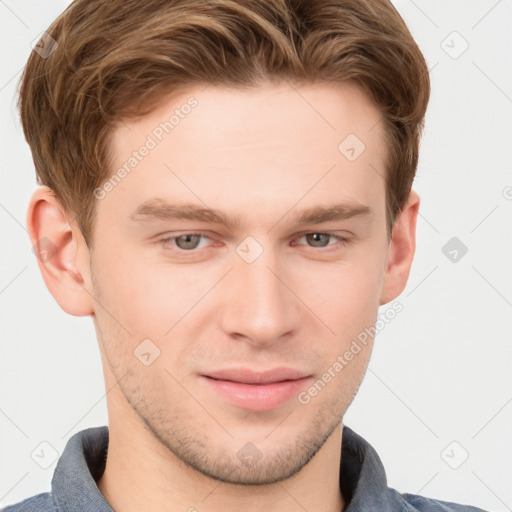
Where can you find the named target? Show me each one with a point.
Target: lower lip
(257, 397)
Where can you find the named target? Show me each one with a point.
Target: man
(226, 190)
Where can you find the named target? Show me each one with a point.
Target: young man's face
(267, 292)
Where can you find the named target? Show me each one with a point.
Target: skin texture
(263, 155)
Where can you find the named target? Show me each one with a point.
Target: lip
(246, 376)
(256, 391)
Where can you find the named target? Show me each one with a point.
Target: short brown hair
(117, 59)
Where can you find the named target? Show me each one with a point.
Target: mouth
(256, 391)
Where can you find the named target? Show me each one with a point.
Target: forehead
(259, 111)
(271, 143)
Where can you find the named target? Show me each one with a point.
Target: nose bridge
(259, 307)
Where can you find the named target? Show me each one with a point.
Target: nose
(259, 307)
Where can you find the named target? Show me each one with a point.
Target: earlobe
(58, 244)
(401, 250)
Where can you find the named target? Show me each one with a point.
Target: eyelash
(167, 240)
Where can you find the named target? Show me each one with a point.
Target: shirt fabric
(362, 480)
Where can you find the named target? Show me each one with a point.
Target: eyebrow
(160, 209)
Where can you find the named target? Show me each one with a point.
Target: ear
(61, 252)
(401, 250)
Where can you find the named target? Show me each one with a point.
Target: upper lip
(247, 376)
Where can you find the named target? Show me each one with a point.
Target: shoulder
(39, 503)
(415, 503)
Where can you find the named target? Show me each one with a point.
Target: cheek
(345, 295)
(150, 297)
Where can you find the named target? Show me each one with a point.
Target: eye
(189, 242)
(322, 239)
(185, 242)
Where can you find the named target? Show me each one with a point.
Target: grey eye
(188, 241)
(316, 239)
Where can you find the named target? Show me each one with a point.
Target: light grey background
(440, 371)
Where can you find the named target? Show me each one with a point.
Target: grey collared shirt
(362, 480)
